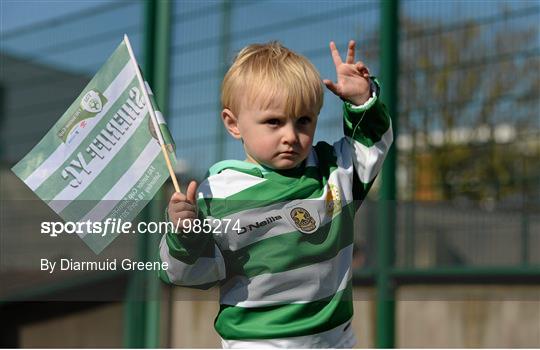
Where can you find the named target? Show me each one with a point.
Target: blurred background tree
(469, 126)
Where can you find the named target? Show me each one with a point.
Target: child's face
(270, 136)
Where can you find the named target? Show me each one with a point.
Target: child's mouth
(289, 153)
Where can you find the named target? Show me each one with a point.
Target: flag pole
(152, 115)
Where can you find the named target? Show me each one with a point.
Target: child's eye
(273, 122)
(304, 120)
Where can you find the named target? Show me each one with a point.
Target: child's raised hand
(183, 206)
(352, 78)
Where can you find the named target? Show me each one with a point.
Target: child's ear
(231, 123)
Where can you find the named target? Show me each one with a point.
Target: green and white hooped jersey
(284, 271)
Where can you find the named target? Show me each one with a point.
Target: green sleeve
(187, 252)
(366, 126)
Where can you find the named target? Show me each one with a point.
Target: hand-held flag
(153, 117)
(101, 160)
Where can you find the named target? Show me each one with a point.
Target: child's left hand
(352, 78)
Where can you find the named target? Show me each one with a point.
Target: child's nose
(289, 134)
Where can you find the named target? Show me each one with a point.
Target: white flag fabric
(102, 159)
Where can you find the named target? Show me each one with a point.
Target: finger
(190, 194)
(186, 215)
(362, 69)
(177, 197)
(183, 215)
(335, 54)
(182, 206)
(331, 86)
(350, 52)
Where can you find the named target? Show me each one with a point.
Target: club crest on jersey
(303, 220)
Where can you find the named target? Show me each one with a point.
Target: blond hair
(264, 72)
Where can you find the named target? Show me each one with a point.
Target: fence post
(140, 310)
(385, 317)
(224, 46)
(158, 49)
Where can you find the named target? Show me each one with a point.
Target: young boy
(283, 262)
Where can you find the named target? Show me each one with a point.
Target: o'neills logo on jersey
(259, 224)
(303, 220)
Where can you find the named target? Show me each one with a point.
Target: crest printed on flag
(102, 159)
